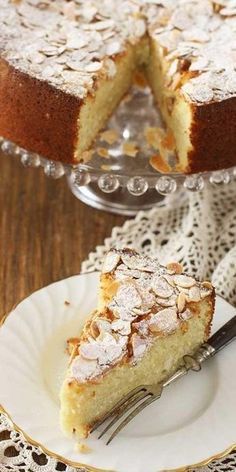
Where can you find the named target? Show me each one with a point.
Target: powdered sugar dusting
(65, 43)
(150, 301)
(164, 321)
(200, 34)
(70, 44)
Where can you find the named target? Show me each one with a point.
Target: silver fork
(143, 395)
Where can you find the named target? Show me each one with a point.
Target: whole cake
(65, 65)
(148, 317)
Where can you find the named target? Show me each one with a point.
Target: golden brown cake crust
(213, 136)
(36, 116)
(44, 120)
(211, 302)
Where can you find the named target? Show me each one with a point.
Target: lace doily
(201, 234)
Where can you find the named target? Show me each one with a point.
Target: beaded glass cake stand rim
(121, 175)
(120, 191)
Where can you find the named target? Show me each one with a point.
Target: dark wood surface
(45, 231)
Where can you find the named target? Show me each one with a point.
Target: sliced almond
(82, 368)
(176, 267)
(159, 163)
(207, 284)
(145, 264)
(103, 152)
(110, 136)
(111, 261)
(94, 330)
(161, 287)
(205, 293)
(93, 66)
(166, 302)
(89, 351)
(184, 281)
(121, 326)
(101, 337)
(185, 315)
(110, 67)
(154, 328)
(130, 148)
(130, 260)
(206, 289)
(170, 280)
(128, 296)
(181, 302)
(113, 48)
(184, 290)
(103, 325)
(194, 294)
(139, 345)
(165, 321)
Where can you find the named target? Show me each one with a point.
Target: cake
(65, 65)
(148, 317)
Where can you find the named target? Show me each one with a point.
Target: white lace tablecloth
(199, 232)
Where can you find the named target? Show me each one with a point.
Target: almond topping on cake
(111, 261)
(175, 267)
(165, 321)
(184, 281)
(194, 294)
(161, 287)
(77, 59)
(181, 302)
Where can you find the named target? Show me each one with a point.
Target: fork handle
(217, 341)
(223, 336)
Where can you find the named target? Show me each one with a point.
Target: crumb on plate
(83, 448)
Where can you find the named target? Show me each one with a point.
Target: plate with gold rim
(194, 419)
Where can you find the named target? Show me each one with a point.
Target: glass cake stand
(119, 177)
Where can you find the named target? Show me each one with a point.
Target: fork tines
(132, 399)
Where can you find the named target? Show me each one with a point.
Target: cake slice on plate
(148, 317)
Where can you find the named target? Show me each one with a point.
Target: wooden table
(45, 232)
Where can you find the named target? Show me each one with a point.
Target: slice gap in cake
(108, 92)
(148, 317)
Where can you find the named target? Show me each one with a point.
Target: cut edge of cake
(108, 92)
(122, 347)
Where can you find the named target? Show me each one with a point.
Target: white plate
(194, 419)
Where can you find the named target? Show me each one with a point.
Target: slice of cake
(148, 317)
